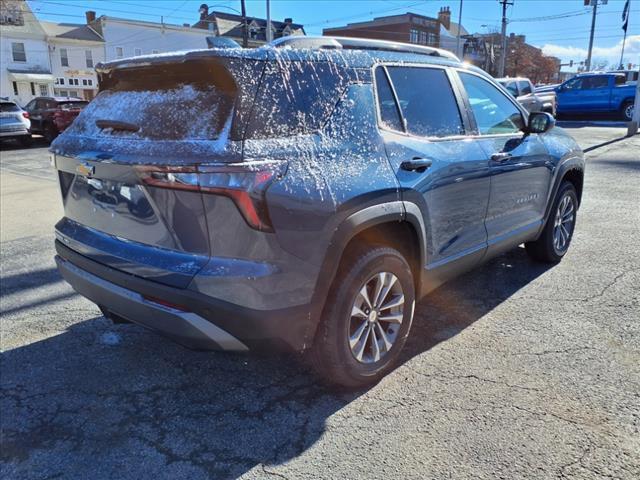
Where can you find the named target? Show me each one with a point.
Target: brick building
(405, 28)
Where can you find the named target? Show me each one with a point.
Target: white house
(74, 50)
(130, 38)
(25, 70)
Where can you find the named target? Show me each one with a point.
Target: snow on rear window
(185, 112)
(8, 107)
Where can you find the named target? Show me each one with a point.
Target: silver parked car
(522, 89)
(14, 123)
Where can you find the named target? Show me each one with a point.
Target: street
(516, 370)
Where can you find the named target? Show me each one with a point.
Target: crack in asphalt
(471, 376)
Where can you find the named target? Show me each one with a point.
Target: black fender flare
(351, 226)
(572, 163)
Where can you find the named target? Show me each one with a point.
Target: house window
(84, 82)
(432, 39)
(64, 93)
(33, 89)
(73, 93)
(413, 35)
(119, 52)
(423, 38)
(44, 90)
(60, 81)
(253, 32)
(15, 88)
(88, 55)
(137, 52)
(90, 82)
(17, 50)
(64, 58)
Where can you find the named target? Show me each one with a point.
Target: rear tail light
(25, 114)
(245, 183)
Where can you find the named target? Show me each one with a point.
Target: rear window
(8, 107)
(176, 102)
(72, 105)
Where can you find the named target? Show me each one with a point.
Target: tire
(332, 356)
(554, 241)
(50, 133)
(26, 140)
(627, 110)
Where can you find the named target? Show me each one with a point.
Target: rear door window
(389, 113)
(427, 101)
(494, 112)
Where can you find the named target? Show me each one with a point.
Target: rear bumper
(201, 322)
(14, 132)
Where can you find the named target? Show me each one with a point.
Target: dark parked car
(50, 116)
(303, 198)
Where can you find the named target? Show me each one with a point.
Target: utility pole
(269, 36)
(503, 48)
(459, 27)
(593, 29)
(245, 32)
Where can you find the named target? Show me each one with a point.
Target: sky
(560, 27)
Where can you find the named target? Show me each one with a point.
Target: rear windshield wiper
(116, 125)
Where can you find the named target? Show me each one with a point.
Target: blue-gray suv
(302, 195)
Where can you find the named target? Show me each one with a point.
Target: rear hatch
(129, 164)
(11, 118)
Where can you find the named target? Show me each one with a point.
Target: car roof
(342, 51)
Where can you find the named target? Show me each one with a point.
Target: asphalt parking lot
(514, 371)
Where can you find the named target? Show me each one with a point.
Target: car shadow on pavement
(103, 401)
(36, 142)
(459, 303)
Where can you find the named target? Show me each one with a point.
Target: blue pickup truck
(591, 93)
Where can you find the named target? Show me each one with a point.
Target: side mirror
(540, 122)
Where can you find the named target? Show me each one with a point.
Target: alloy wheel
(563, 224)
(628, 111)
(376, 317)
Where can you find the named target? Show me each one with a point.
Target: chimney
(288, 21)
(90, 15)
(444, 17)
(204, 11)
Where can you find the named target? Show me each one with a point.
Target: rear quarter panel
(331, 174)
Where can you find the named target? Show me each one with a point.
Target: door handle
(416, 164)
(501, 157)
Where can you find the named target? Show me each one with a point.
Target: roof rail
(338, 43)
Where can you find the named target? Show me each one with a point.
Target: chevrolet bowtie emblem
(85, 169)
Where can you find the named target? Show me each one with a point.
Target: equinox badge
(85, 169)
